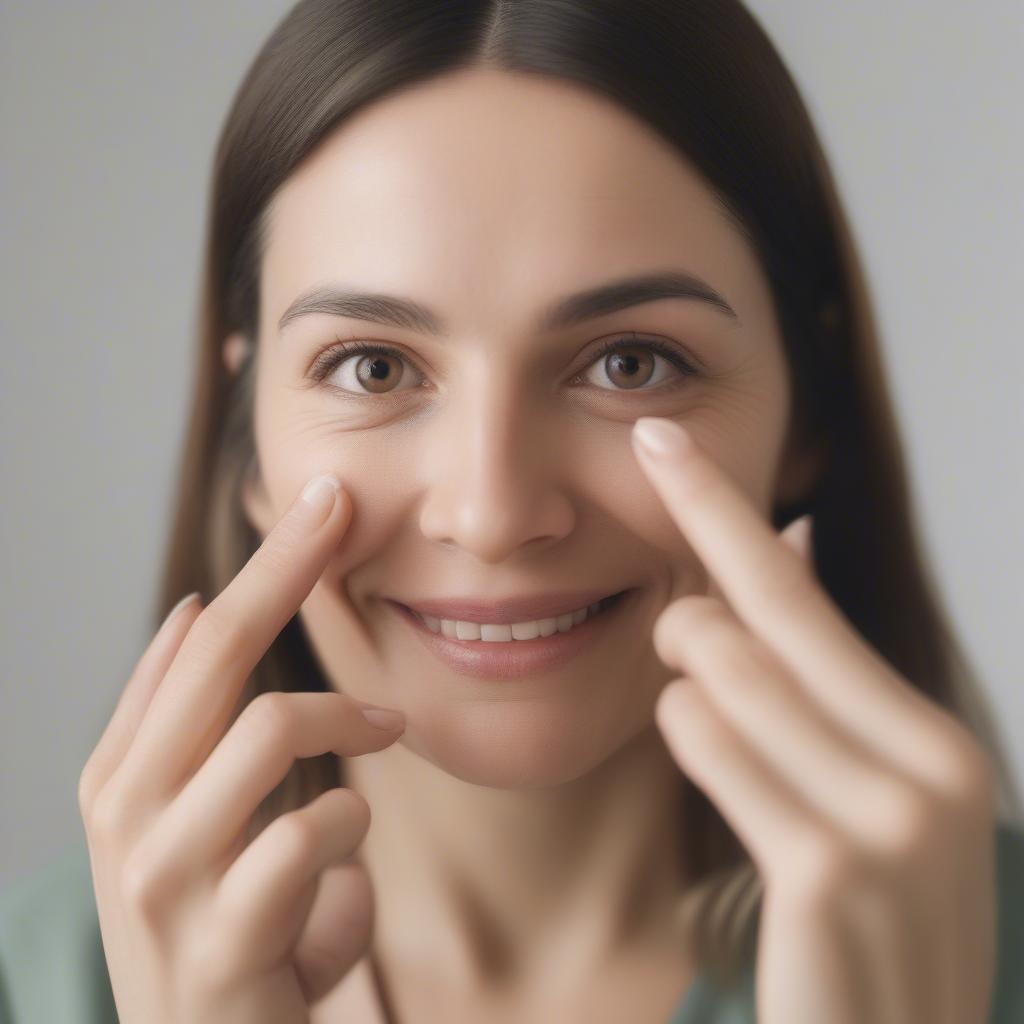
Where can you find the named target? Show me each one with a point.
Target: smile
(504, 650)
(457, 629)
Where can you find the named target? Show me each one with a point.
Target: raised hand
(868, 810)
(199, 925)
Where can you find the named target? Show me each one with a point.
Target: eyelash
(337, 354)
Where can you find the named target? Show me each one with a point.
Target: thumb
(798, 536)
(338, 930)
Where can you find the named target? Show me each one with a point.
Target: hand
(197, 926)
(868, 810)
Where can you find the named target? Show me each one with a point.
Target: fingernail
(177, 608)
(321, 492)
(383, 718)
(660, 437)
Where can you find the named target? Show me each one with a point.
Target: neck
(479, 886)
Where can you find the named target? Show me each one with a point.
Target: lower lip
(509, 659)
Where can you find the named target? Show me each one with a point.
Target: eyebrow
(569, 311)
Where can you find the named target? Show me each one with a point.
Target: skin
(499, 478)
(867, 809)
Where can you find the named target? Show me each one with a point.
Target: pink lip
(515, 658)
(510, 609)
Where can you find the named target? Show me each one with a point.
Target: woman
(455, 253)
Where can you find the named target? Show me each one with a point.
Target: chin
(508, 746)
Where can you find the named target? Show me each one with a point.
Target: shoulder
(1008, 998)
(52, 965)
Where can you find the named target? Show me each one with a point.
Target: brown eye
(629, 365)
(378, 373)
(361, 369)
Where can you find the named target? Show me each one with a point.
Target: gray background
(108, 115)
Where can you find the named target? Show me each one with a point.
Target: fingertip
(661, 438)
(173, 613)
(341, 512)
(320, 494)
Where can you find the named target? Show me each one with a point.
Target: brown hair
(707, 77)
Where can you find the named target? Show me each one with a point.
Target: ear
(236, 348)
(256, 504)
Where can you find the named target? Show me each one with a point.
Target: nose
(496, 478)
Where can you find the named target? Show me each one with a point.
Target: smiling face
(493, 457)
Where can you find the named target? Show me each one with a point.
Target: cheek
(742, 429)
(746, 450)
(299, 439)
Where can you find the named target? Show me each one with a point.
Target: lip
(510, 609)
(511, 659)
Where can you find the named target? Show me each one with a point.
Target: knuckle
(86, 794)
(141, 884)
(965, 773)
(684, 617)
(268, 718)
(349, 804)
(108, 816)
(297, 835)
(904, 823)
(821, 867)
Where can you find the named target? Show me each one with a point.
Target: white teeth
(459, 630)
(523, 630)
(494, 632)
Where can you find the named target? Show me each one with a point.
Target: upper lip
(509, 609)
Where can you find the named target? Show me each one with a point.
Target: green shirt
(53, 971)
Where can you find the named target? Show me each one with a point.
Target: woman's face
(493, 458)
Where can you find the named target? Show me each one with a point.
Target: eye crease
(631, 366)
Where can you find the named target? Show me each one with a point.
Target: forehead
(486, 191)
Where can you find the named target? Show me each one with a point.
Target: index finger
(769, 586)
(193, 705)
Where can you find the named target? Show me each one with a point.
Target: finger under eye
(775, 593)
(766, 582)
